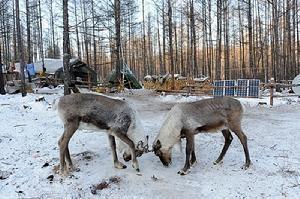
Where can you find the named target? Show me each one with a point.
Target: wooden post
(272, 85)
(89, 80)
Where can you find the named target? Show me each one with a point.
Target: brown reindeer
(187, 119)
(102, 112)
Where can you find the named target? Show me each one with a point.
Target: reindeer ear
(157, 145)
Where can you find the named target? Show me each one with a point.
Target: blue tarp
(30, 69)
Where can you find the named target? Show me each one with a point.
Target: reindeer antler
(144, 147)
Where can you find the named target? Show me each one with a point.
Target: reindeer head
(163, 154)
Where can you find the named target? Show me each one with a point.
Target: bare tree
(66, 48)
(76, 30)
(29, 51)
(117, 16)
(21, 51)
(170, 24)
(250, 35)
(219, 40)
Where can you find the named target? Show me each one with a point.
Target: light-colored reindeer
(187, 119)
(102, 112)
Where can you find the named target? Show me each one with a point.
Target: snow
(30, 131)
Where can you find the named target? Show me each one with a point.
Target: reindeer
(208, 115)
(113, 115)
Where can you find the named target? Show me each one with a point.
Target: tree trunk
(41, 37)
(76, 30)
(21, 52)
(150, 51)
(164, 39)
(219, 40)
(242, 44)
(66, 48)
(14, 35)
(276, 64)
(117, 11)
(144, 41)
(29, 54)
(171, 42)
(211, 51)
(159, 47)
(182, 71)
(94, 38)
(86, 37)
(52, 30)
(2, 90)
(193, 40)
(250, 37)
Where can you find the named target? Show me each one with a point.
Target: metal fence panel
(242, 85)
(219, 88)
(239, 88)
(229, 87)
(253, 87)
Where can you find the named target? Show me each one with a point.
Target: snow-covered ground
(30, 131)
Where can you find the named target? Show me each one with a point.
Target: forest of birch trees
(221, 39)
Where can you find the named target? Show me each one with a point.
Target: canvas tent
(130, 81)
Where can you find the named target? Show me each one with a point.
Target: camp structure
(130, 81)
(81, 73)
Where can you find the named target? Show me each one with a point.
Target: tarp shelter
(81, 73)
(28, 69)
(130, 81)
(51, 66)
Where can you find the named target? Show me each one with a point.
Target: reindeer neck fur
(135, 133)
(169, 133)
(136, 129)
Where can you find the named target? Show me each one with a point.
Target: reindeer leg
(193, 158)
(131, 145)
(63, 142)
(228, 139)
(189, 148)
(117, 163)
(243, 139)
(62, 154)
(69, 162)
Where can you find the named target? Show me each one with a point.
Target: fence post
(271, 91)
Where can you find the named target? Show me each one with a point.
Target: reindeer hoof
(63, 172)
(182, 172)
(135, 165)
(217, 162)
(246, 166)
(71, 168)
(120, 165)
